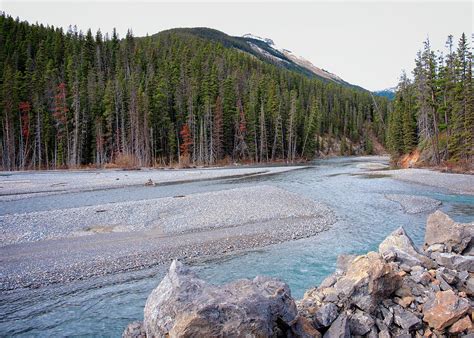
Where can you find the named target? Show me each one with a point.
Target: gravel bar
(455, 183)
(414, 204)
(24, 184)
(46, 250)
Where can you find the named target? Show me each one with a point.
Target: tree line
(72, 98)
(435, 111)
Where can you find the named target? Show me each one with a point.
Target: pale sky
(365, 43)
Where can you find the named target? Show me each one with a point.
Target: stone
(330, 294)
(468, 286)
(304, 329)
(373, 333)
(444, 309)
(360, 323)
(441, 229)
(405, 319)
(435, 248)
(461, 326)
(405, 301)
(134, 330)
(184, 305)
(328, 281)
(399, 243)
(455, 262)
(325, 315)
(343, 261)
(443, 284)
(150, 183)
(449, 276)
(421, 277)
(339, 328)
(387, 316)
(367, 281)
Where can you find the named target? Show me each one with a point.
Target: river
(104, 306)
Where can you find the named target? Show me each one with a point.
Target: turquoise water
(104, 306)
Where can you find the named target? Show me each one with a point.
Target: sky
(365, 43)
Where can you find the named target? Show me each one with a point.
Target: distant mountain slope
(264, 49)
(389, 93)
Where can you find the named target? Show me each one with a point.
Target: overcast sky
(365, 43)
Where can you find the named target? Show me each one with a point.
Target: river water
(104, 306)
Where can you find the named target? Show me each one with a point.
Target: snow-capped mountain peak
(255, 37)
(286, 55)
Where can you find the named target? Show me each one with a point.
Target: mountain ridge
(266, 50)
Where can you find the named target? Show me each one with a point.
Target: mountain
(285, 57)
(264, 49)
(389, 93)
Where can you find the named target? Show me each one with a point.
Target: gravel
(455, 183)
(24, 184)
(414, 204)
(50, 247)
(164, 215)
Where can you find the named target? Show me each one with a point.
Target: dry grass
(123, 161)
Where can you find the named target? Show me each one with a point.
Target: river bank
(456, 183)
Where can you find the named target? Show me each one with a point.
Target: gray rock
(387, 316)
(343, 261)
(134, 330)
(184, 305)
(455, 262)
(325, 315)
(328, 281)
(421, 277)
(443, 284)
(406, 253)
(373, 333)
(435, 248)
(339, 328)
(440, 229)
(360, 323)
(406, 319)
(384, 334)
(468, 286)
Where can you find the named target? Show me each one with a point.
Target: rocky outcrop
(447, 235)
(185, 306)
(401, 290)
(398, 291)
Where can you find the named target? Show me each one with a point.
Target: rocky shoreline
(398, 291)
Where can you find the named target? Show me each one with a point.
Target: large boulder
(185, 306)
(440, 229)
(368, 280)
(405, 251)
(444, 309)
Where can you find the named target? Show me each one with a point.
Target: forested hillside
(435, 112)
(70, 99)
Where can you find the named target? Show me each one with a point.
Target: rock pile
(398, 291)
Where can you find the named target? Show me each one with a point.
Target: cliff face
(398, 290)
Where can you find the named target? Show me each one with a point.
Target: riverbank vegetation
(70, 99)
(433, 115)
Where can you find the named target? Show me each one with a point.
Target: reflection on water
(104, 306)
